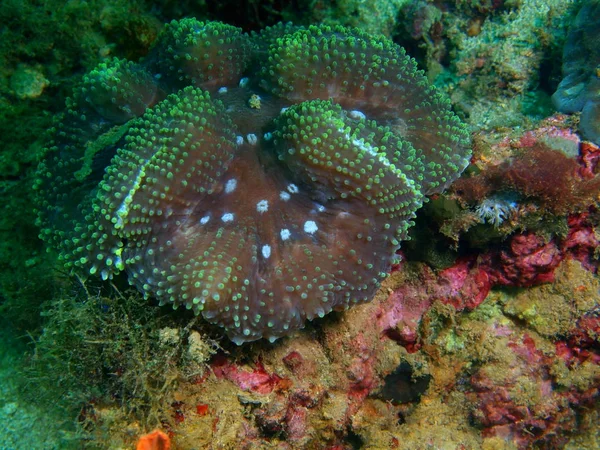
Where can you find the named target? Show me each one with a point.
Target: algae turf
(53, 428)
(114, 353)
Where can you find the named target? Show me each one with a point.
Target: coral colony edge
(260, 180)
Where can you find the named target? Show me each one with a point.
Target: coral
(440, 357)
(462, 286)
(316, 393)
(271, 185)
(582, 343)
(547, 176)
(590, 157)
(434, 352)
(527, 394)
(157, 440)
(580, 88)
(516, 57)
(513, 397)
(518, 386)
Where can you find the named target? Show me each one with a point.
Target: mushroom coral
(259, 180)
(579, 90)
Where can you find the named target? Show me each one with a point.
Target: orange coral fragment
(157, 440)
(202, 409)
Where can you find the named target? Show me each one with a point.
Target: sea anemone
(579, 90)
(259, 180)
(495, 210)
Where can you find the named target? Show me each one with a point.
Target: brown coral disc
(259, 181)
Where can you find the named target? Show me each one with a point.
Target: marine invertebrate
(495, 210)
(579, 90)
(258, 180)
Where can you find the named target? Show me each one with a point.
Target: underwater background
(485, 334)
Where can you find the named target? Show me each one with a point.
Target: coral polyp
(495, 210)
(259, 180)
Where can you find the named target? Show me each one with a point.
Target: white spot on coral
(283, 110)
(123, 210)
(284, 196)
(292, 188)
(222, 90)
(204, 220)
(239, 140)
(262, 206)
(266, 251)
(252, 139)
(230, 186)
(310, 227)
(227, 217)
(365, 146)
(320, 208)
(285, 234)
(244, 82)
(356, 114)
(267, 136)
